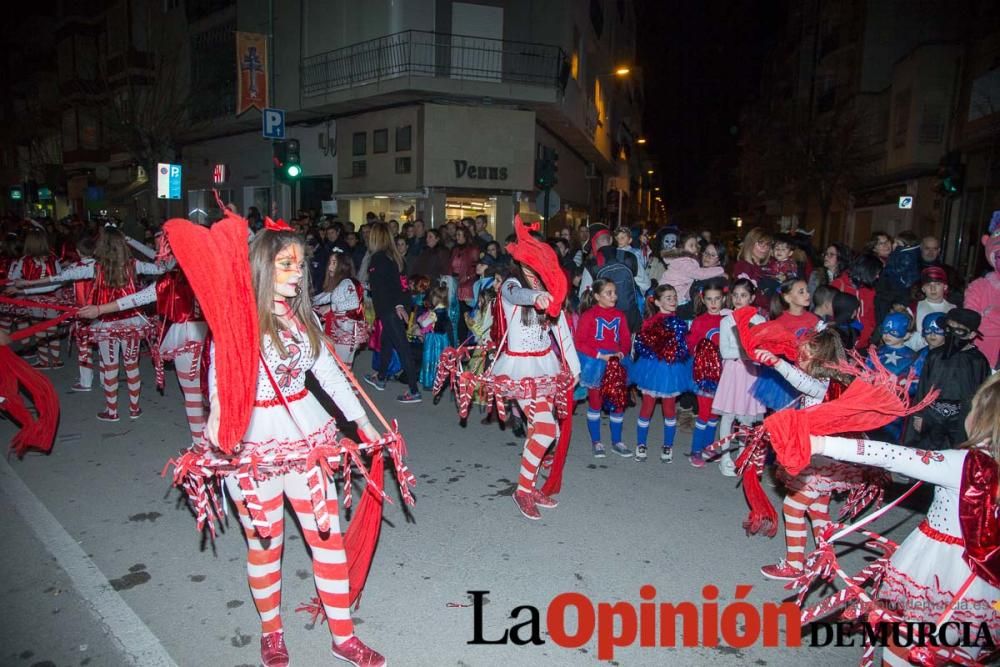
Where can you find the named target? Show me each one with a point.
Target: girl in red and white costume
(342, 298)
(529, 351)
(181, 336)
(287, 419)
(37, 262)
(931, 566)
(808, 493)
(115, 275)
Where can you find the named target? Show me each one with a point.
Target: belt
(938, 536)
(272, 402)
(529, 353)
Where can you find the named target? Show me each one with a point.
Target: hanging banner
(251, 70)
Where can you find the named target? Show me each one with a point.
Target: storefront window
(259, 198)
(401, 209)
(457, 208)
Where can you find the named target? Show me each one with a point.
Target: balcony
(436, 57)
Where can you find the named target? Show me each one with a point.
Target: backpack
(622, 276)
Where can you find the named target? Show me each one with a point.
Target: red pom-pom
(707, 366)
(614, 386)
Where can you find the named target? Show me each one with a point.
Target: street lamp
(622, 71)
(640, 140)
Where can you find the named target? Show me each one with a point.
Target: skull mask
(669, 241)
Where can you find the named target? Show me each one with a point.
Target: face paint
(288, 269)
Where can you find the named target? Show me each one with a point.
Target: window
(402, 165)
(932, 123)
(902, 124)
(360, 144)
(380, 141)
(404, 137)
(359, 168)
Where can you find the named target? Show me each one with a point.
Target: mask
(669, 241)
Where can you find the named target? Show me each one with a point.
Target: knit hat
(933, 274)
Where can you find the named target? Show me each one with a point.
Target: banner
(251, 70)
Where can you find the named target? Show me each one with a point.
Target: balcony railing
(433, 54)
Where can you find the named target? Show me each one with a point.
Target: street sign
(168, 181)
(16, 193)
(906, 201)
(44, 194)
(274, 123)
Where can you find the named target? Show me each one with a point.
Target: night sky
(701, 61)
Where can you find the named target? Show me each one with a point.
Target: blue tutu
(591, 371)
(773, 390)
(434, 344)
(659, 378)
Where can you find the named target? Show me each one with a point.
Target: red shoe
(273, 652)
(543, 500)
(526, 503)
(134, 414)
(782, 571)
(355, 652)
(107, 416)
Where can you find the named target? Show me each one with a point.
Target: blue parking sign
(274, 123)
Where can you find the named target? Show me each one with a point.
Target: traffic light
(547, 169)
(951, 175)
(287, 165)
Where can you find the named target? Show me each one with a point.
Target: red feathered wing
(770, 336)
(216, 263)
(542, 259)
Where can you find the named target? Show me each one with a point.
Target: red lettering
(555, 620)
(607, 640)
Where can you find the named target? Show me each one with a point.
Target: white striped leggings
(264, 555)
(188, 369)
(109, 351)
(541, 434)
(796, 506)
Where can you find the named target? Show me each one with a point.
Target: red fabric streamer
(216, 263)
(18, 375)
(614, 385)
(979, 516)
(553, 484)
(770, 336)
(873, 400)
(362, 535)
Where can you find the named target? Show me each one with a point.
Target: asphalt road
(102, 565)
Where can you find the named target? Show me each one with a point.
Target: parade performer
(38, 261)
(120, 333)
(528, 367)
(344, 297)
(948, 569)
(602, 334)
(662, 368)
(269, 437)
(182, 332)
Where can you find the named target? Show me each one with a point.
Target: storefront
(436, 163)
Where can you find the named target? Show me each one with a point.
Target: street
(103, 565)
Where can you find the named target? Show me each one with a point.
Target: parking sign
(168, 181)
(906, 201)
(274, 123)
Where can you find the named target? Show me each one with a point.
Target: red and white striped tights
(541, 435)
(796, 506)
(109, 351)
(189, 375)
(264, 555)
(85, 360)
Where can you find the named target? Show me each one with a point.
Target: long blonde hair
(265, 247)
(380, 240)
(986, 417)
(750, 240)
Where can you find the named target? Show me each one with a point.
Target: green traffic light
(293, 171)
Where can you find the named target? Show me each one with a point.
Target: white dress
(529, 350)
(927, 569)
(180, 337)
(274, 430)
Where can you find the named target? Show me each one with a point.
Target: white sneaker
(727, 466)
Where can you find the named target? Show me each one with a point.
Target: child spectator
(782, 266)
(934, 285)
(601, 334)
(435, 327)
(662, 368)
(822, 302)
(683, 270)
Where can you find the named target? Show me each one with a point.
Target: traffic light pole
(545, 212)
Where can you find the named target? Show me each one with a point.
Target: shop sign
(479, 172)
(44, 194)
(16, 193)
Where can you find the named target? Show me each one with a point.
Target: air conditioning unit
(590, 170)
